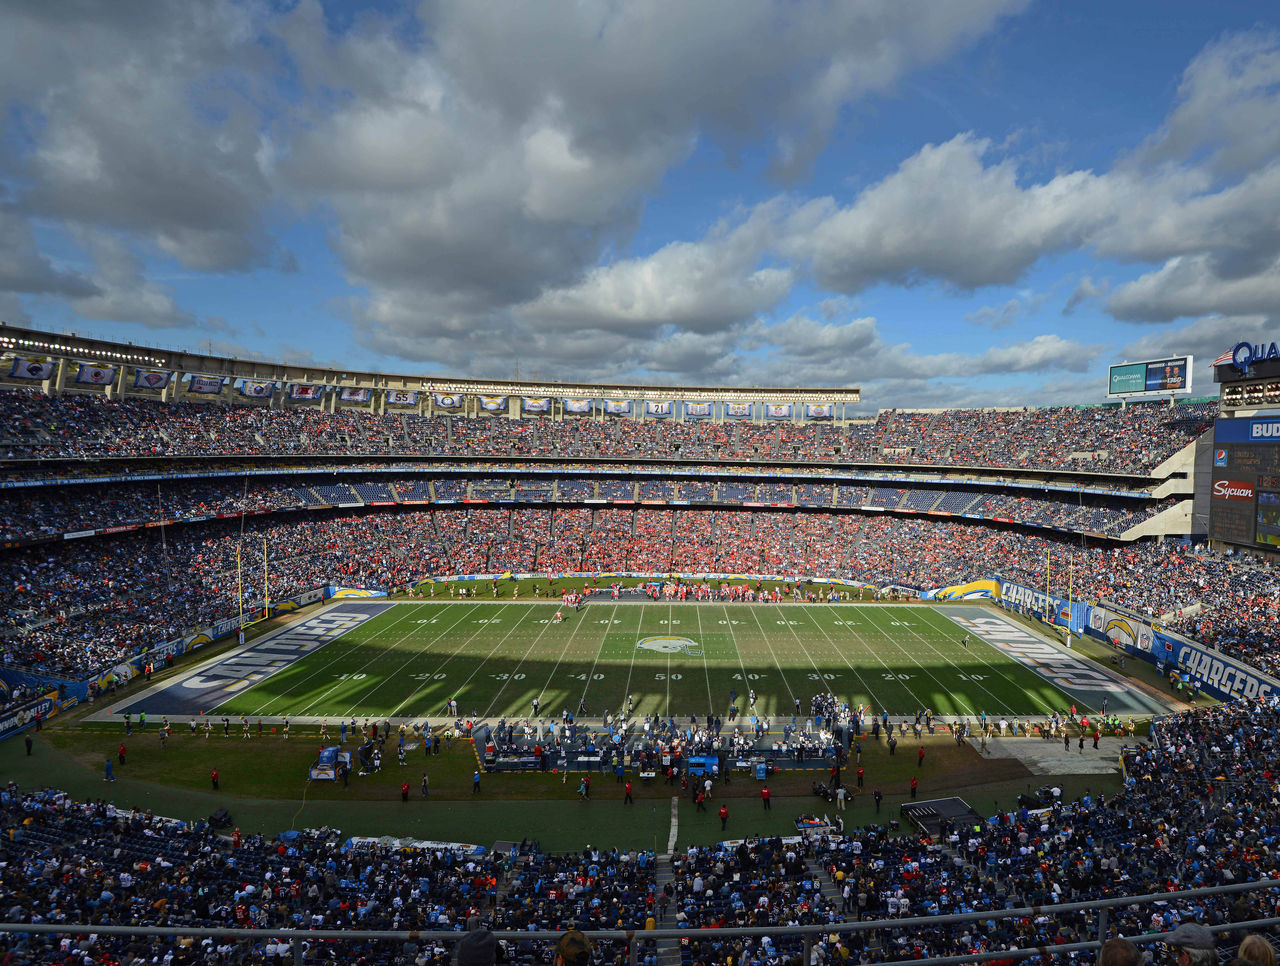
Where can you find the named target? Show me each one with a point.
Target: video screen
(1268, 532)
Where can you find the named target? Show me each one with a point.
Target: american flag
(1225, 357)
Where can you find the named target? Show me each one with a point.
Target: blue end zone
(207, 685)
(1088, 682)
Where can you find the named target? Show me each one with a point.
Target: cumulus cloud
(123, 294)
(996, 316)
(12, 311)
(1188, 286)
(146, 119)
(1228, 109)
(699, 287)
(855, 352)
(1025, 305)
(25, 271)
(1205, 338)
(1085, 290)
(482, 171)
(946, 215)
(479, 177)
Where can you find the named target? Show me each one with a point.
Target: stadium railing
(298, 937)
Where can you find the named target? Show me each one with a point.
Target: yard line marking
(924, 641)
(586, 685)
(563, 651)
(776, 662)
(519, 664)
(822, 682)
(1014, 685)
(993, 667)
(334, 657)
(632, 666)
(852, 667)
(391, 676)
(668, 666)
(494, 650)
(876, 653)
(736, 650)
(469, 611)
(706, 670)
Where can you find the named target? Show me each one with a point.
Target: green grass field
(494, 658)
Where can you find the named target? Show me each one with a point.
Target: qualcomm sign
(1246, 354)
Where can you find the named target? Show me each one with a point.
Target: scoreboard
(1244, 499)
(1159, 377)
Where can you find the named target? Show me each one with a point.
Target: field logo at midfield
(670, 645)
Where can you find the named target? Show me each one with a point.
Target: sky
(969, 203)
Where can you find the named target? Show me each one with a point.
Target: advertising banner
(14, 720)
(1247, 431)
(986, 589)
(1047, 607)
(1216, 674)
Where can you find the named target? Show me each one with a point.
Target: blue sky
(982, 202)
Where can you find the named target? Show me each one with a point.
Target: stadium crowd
(79, 606)
(50, 512)
(1197, 809)
(1134, 439)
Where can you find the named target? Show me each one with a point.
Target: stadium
(679, 593)
(727, 483)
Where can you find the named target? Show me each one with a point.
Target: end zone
(206, 685)
(1091, 683)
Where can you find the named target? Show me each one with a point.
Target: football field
(407, 660)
